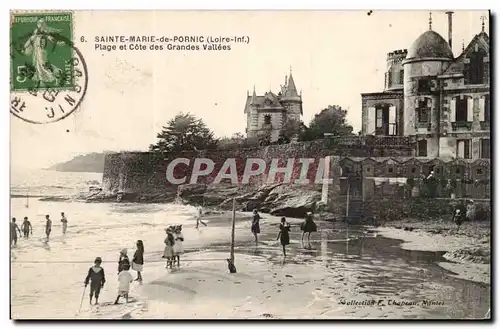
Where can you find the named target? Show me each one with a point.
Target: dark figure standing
(256, 225)
(308, 226)
(284, 234)
(458, 218)
(26, 228)
(97, 279)
(64, 221)
(13, 232)
(138, 260)
(48, 227)
(123, 261)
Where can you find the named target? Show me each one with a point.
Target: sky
(334, 57)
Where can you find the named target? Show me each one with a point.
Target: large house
(442, 101)
(266, 114)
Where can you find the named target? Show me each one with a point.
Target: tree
(184, 132)
(330, 120)
(291, 128)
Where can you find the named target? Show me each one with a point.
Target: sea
(47, 278)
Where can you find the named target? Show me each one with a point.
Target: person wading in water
(27, 228)
(199, 214)
(13, 232)
(48, 227)
(256, 225)
(64, 221)
(308, 226)
(284, 234)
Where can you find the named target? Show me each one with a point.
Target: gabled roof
(457, 67)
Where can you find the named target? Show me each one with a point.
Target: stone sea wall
(143, 174)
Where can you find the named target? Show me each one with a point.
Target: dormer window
(475, 68)
(267, 119)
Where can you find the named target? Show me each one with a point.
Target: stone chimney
(450, 25)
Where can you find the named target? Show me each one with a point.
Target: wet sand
(441, 236)
(367, 277)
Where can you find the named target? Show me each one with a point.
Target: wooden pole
(347, 217)
(231, 257)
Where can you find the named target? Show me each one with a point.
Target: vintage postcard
(250, 165)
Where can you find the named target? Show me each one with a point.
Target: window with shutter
(461, 109)
(487, 108)
(464, 149)
(485, 148)
(379, 121)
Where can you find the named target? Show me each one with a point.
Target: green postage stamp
(41, 51)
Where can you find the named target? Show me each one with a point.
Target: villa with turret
(440, 101)
(266, 114)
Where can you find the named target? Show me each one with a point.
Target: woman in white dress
(179, 244)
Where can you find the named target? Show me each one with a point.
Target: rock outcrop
(276, 199)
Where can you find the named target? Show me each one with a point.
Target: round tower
(428, 57)
(394, 76)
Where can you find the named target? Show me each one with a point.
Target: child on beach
(13, 232)
(27, 228)
(123, 261)
(97, 279)
(308, 226)
(138, 260)
(179, 244)
(256, 225)
(124, 281)
(199, 214)
(48, 227)
(168, 252)
(64, 221)
(284, 235)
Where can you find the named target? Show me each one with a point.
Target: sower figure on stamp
(44, 71)
(27, 228)
(96, 278)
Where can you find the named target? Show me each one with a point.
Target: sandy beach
(350, 272)
(327, 279)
